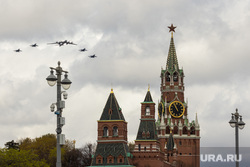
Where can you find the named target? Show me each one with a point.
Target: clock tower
(173, 122)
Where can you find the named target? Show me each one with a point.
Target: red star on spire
(171, 28)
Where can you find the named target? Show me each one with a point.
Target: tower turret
(147, 148)
(112, 148)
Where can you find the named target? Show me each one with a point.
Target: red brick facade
(170, 141)
(185, 150)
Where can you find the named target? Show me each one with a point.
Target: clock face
(176, 109)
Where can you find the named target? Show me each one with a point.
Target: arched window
(139, 147)
(147, 110)
(110, 111)
(115, 131)
(184, 130)
(175, 130)
(167, 130)
(175, 77)
(148, 134)
(110, 159)
(120, 159)
(145, 148)
(105, 131)
(99, 159)
(168, 77)
(143, 134)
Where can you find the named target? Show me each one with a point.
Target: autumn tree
(79, 157)
(88, 151)
(44, 150)
(41, 146)
(15, 158)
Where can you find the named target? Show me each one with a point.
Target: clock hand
(175, 107)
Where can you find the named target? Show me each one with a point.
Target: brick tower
(112, 148)
(173, 124)
(147, 151)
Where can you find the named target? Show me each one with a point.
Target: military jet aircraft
(93, 56)
(34, 45)
(83, 50)
(61, 43)
(18, 50)
(69, 42)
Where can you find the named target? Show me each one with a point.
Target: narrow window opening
(168, 77)
(105, 131)
(147, 110)
(115, 131)
(175, 77)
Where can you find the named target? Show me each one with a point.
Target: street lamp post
(235, 123)
(65, 83)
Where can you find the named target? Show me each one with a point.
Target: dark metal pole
(237, 138)
(65, 83)
(237, 124)
(237, 144)
(58, 130)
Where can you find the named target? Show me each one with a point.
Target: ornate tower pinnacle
(171, 29)
(172, 62)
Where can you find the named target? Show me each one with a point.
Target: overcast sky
(131, 42)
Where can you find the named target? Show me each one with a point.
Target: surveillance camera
(52, 107)
(65, 95)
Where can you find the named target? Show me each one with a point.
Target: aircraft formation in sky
(60, 43)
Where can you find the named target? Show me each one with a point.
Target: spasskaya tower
(179, 138)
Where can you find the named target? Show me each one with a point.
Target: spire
(148, 97)
(196, 121)
(112, 110)
(162, 120)
(172, 62)
(170, 143)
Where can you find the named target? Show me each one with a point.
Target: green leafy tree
(15, 158)
(42, 147)
(44, 150)
(12, 144)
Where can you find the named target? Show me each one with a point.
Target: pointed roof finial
(112, 110)
(148, 97)
(171, 28)
(172, 62)
(196, 121)
(112, 88)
